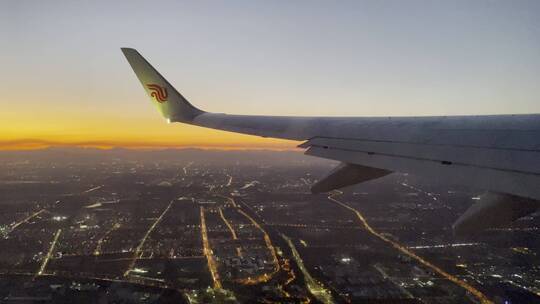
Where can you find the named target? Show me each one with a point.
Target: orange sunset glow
(112, 133)
(65, 82)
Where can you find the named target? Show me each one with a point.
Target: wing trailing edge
(347, 175)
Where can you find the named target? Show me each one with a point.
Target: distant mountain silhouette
(74, 154)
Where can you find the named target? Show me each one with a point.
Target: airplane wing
(498, 153)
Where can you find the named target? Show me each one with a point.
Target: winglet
(171, 104)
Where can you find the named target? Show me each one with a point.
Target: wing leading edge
(498, 153)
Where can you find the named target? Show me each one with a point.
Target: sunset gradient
(64, 81)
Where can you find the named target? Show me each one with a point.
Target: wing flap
(453, 174)
(526, 162)
(493, 210)
(346, 175)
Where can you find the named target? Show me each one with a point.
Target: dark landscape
(207, 226)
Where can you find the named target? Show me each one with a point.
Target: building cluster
(218, 233)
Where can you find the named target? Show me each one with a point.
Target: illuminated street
(139, 248)
(411, 254)
(17, 224)
(49, 253)
(152, 228)
(97, 251)
(208, 253)
(316, 288)
(233, 233)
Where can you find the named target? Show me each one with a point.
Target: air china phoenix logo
(157, 92)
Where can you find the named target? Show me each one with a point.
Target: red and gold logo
(157, 92)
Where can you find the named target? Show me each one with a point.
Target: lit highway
(312, 226)
(146, 242)
(270, 247)
(393, 280)
(212, 265)
(15, 225)
(229, 200)
(478, 294)
(267, 276)
(28, 218)
(93, 189)
(97, 251)
(315, 288)
(139, 248)
(231, 229)
(229, 182)
(49, 253)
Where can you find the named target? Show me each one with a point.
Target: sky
(64, 81)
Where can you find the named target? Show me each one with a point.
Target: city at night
(198, 226)
(270, 151)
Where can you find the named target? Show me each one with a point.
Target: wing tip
(172, 105)
(128, 49)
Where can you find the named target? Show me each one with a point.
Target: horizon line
(39, 144)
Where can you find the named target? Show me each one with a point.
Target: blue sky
(61, 62)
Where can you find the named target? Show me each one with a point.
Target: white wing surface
(498, 153)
